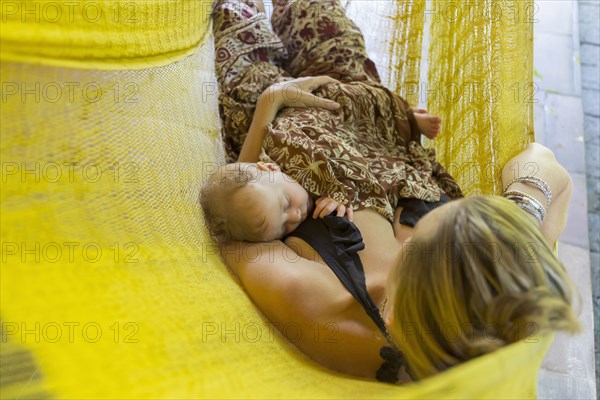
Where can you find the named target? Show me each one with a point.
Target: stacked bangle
(528, 203)
(537, 182)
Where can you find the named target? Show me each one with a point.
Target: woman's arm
(539, 161)
(293, 93)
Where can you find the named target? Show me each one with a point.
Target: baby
(257, 202)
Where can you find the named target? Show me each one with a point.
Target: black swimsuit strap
(338, 241)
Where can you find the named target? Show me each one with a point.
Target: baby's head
(253, 202)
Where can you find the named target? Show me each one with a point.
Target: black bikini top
(414, 209)
(338, 241)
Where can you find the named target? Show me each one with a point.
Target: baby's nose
(295, 216)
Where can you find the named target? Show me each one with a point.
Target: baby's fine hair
(225, 223)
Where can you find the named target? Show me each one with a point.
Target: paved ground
(567, 120)
(589, 39)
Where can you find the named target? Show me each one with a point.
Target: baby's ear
(268, 166)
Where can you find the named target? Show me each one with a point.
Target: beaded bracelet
(537, 182)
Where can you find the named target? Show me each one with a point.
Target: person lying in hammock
(330, 278)
(256, 201)
(357, 147)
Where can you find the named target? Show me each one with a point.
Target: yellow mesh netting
(406, 48)
(110, 286)
(481, 82)
(102, 34)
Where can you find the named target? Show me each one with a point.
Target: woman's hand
(298, 93)
(326, 205)
(294, 93)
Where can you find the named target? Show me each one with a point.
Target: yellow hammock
(110, 285)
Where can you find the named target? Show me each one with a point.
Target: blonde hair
(225, 222)
(485, 279)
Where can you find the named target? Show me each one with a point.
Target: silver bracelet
(527, 197)
(537, 182)
(528, 207)
(527, 203)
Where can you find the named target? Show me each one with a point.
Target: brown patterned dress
(368, 152)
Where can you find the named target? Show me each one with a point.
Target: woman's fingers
(307, 99)
(298, 93)
(317, 81)
(310, 100)
(310, 83)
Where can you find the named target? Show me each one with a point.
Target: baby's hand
(326, 205)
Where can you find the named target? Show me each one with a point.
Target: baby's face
(281, 202)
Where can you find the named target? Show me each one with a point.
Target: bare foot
(429, 125)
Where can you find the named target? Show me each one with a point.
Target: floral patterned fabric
(368, 152)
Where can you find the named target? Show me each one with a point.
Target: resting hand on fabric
(298, 93)
(326, 205)
(293, 93)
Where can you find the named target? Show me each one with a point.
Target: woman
(481, 273)
(335, 316)
(293, 285)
